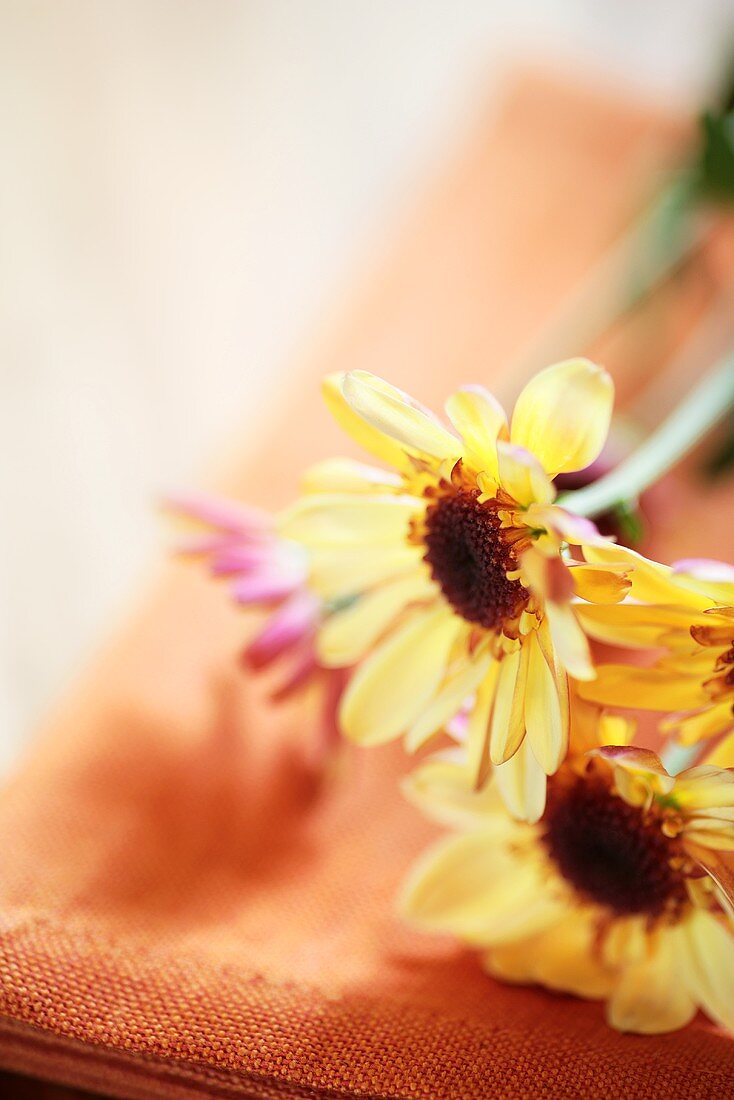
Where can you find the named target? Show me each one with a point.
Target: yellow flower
(621, 892)
(449, 570)
(690, 614)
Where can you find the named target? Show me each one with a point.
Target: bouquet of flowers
(455, 596)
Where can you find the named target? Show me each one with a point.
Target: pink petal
(225, 515)
(289, 626)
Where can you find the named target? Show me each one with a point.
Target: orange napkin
(185, 908)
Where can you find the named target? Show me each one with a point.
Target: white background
(182, 187)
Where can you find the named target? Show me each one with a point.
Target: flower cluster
(450, 598)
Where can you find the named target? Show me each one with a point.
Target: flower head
(622, 891)
(455, 567)
(242, 547)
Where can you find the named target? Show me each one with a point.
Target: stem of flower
(708, 402)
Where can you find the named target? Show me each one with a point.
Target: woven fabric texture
(186, 909)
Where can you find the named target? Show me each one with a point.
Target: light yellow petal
(364, 434)
(469, 886)
(569, 640)
(477, 735)
(442, 788)
(457, 689)
(563, 415)
(348, 519)
(345, 475)
(706, 957)
(480, 420)
(649, 998)
(399, 419)
(507, 727)
(339, 572)
(704, 787)
(636, 626)
(522, 784)
(398, 680)
(522, 476)
(543, 719)
(607, 585)
(561, 957)
(347, 635)
(643, 688)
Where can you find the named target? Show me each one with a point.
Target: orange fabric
(185, 910)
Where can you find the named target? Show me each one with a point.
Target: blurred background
(185, 187)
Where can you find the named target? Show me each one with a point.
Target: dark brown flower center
(470, 558)
(610, 852)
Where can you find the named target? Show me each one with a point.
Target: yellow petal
(637, 626)
(398, 680)
(344, 475)
(364, 434)
(649, 999)
(347, 519)
(339, 572)
(569, 640)
(457, 689)
(400, 420)
(543, 719)
(563, 415)
(522, 784)
(470, 886)
(442, 788)
(644, 688)
(706, 957)
(723, 755)
(651, 582)
(507, 727)
(522, 476)
(561, 957)
(347, 635)
(600, 585)
(704, 787)
(477, 734)
(480, 420)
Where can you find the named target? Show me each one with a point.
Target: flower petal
(522, 784)
(522, 476)
(397, 682)
(563, 415)
(345, 475)
(441, 787)
(507, 727)
(400, 420)
(569, 640)
(347, 635)
(636, 626)
(649, 999)
(453, 694)
(470, 885)
(480, 420)
(368, 437)
(600, 584)
(706, 956)
(543, 718)
(347, 519)
(561, 957)
(646, 688)
(478, 728)
(342, 571)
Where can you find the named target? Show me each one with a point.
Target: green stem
(687, 424)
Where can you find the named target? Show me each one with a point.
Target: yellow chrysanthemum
(622, 891)
(449, 571)
(689, 612)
